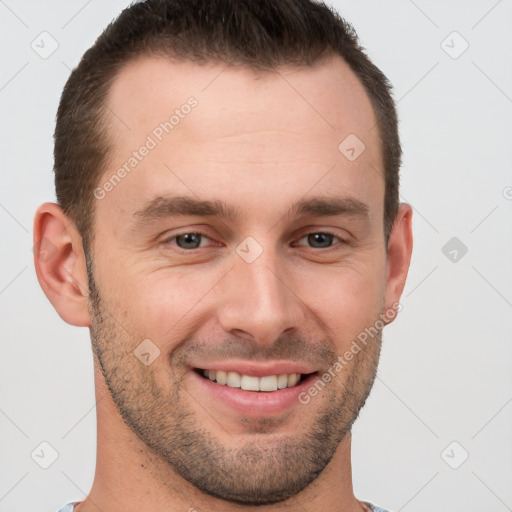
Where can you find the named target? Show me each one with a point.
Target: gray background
(444, 384)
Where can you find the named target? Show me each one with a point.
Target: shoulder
(375, 508)
(68, 507)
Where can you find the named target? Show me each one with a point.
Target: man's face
(267, 291)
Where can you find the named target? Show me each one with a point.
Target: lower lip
(255, 403)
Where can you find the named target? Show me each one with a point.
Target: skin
(259, 145)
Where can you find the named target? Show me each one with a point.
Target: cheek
(166, 302)
(348, 300)
(167, 305)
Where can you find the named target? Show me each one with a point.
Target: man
(228, 228)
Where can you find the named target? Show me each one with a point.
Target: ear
(398, 260)
(59, 260)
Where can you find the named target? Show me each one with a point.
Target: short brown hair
(259, 34)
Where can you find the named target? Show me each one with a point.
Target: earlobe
(60, 264)
(398, 258)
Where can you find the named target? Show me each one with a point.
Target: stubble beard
(267, 469)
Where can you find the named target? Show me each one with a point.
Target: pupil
(324, 238)
(189, 238)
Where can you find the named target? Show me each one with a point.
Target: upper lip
(257, 370)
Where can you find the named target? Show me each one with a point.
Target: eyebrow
(174, 206)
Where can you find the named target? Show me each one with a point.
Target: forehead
(327, 96)
(284, 129)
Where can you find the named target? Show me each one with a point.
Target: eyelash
(324, 232)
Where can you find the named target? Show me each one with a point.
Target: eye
(188, 240)
(194, 240)
(321, 239)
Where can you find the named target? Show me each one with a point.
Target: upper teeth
(252, 383)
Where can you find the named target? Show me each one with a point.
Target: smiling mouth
(267, 383)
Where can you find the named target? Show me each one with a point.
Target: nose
(259, 301)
